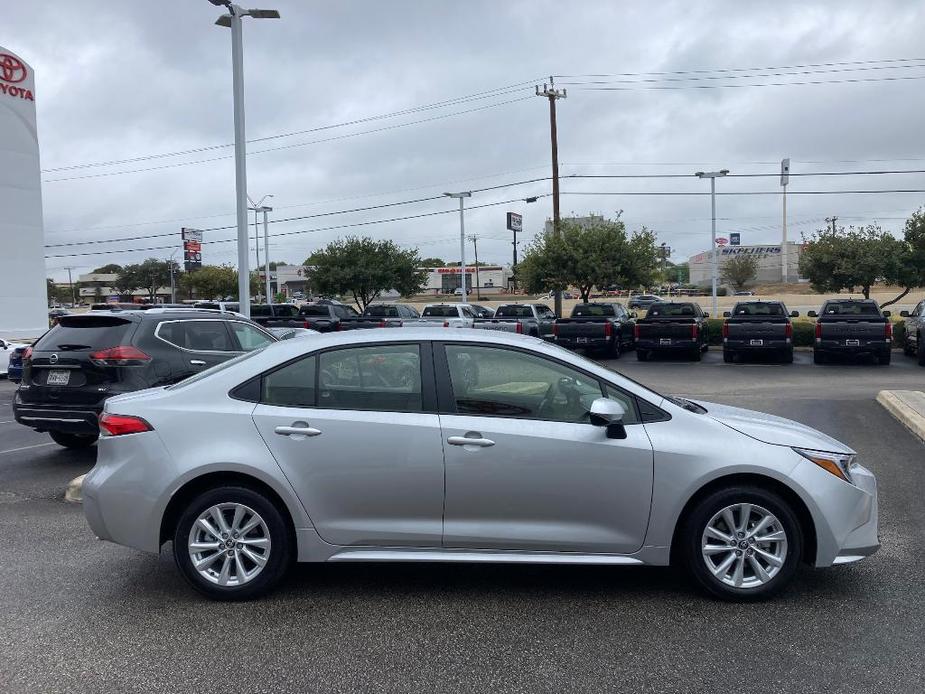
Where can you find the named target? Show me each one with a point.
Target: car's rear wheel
(72, 440)
(787, 356)
(697, 354)
(742, 543)
(232, 543)
(819, 358)
(884, 359)
(728, 356)
(642, 354)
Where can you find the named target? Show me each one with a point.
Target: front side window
(249, 337)
(382, 377)
(291, 386)
(197, 335)
(503, 382)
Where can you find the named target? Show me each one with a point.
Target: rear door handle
(466, 441)
(197, 362)
(297, 431)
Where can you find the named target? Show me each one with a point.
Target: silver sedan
(465, 446)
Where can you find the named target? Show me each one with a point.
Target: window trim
(231, 337)
(447, 401)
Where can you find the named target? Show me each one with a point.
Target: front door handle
(297, 431)
(197, 362)
(467, 441)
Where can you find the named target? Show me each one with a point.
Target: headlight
(839, 464)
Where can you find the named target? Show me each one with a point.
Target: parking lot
(79, 615)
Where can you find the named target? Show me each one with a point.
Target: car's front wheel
(232, 543)
(72, 440)
(742, 543)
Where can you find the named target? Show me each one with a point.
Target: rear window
(593, 310)
(514, 311)
(758, 310)
(441, 312)
(258, 310)
(382, 311)
(85, 332)
(286, 310)
(206, 304)
(315, 311)
(658, 310)
(852, 308)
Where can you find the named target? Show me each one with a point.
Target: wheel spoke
(207, 526)
(239, 512)
(239, 567)
(730, 520)
(769, 558)
(759, 570)
(745, 512)
(256, 558)
(718, 534)
(207, 561)
(765, 521)
(226, 571)
(263, 542)
(739, 571)
(777, 536)
(251, 524)
(710, 550)
(204, 546)
(723, 567)
(219, 518)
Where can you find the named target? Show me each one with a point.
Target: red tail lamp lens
(120, 424)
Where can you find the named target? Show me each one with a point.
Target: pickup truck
(672, 327)
(758, 327)
(444, 316)
(277, 315)
(537, 320)
(325, 317)
(608, 327)
(852, 327)
(915, 332)
(380, 316)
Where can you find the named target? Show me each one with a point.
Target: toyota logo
(12, 69)
(53, 359)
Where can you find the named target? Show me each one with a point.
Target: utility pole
(478, 283)
(831, 220)
(784, 180)
(553, 94)
(70, 283)
(713, 175)
(462, 239)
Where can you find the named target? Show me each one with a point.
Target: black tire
(787, 356)
(884, 359)
(728, 356)
(920, 349)
(614, 351)
(694, 525)
(697, 354)
(74, 441)
(280, 551)
(819, 357)
(642, 354)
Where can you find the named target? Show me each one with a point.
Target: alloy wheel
(229, 544)
(744, 546)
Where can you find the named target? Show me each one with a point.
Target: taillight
(818, 331)
(725, 329)
(608, 329)
(446, 324)
(119, 424)
(555, 329)
(124, 355)
(788, 330)
(339, 326)
(636, 331)
(888, 330)
(520, 328)
(307, 324)
(27, 354)
(694, 330)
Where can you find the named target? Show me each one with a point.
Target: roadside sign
(192, 248)
(515, 222)
(721, 241)
(785, 171)
(735, 238)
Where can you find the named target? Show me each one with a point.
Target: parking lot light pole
(266, 251)
(713, 175)
(462, 239)
(260, 207)
(233, 20)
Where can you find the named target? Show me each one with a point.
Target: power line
(857, 80)
(768, 192)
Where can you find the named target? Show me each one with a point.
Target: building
(492, 279)
(769, 263)
(290, 279)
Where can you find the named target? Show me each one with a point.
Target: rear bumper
(746, 346)
(839, 347)
(676, 345)
(582, 342)
(69, 420)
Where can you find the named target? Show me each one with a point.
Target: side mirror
(727, 314)
(904, 314)
(794, 314)
(608, 413)
(887, 314)
(706, 315)
(812, 314)
(634, 315)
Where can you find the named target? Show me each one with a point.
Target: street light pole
(260, 207)
(713, 175)
(478, 283)
(233, 20)
(266, 252)
(462, 239)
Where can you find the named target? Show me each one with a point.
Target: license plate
(664, 341)
(756, 343)
(852, 343)
(581, 340)
(58, 378)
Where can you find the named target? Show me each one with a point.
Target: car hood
(771, 429)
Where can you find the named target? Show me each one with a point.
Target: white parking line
(8, 421)
(26, 448)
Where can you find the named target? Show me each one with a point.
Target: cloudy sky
(359, 104)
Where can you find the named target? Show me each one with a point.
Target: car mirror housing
(904, 314)
(608, 413)
(727, 314)
(706, 315)
(812, 314)
(794, 314)
(887, 314)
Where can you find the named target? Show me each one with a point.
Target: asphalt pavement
(78, 615)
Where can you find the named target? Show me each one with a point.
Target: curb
(74, 491)
(908, 406)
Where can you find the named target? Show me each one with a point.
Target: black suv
(84, 359)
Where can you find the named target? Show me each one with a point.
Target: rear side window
(514, 311)
(758, 310)
(671, 310)
(593, 310)
(249, 337)
(385, 378)
(291, 386)
(258, 310)
(854, 308)
(198, 336)
(319, 310)
(85, 332)
(441, 312)
(345, 312)
(382, 311)
(286, 311)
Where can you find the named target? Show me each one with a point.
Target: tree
(739, 270)
(128, 279)
(212, 281)
(853, 257)
(433, 262)
(110, 269)
(598, 255)
(679, 273)
(364, 268)
(906, 267)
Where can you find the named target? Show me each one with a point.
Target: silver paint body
(389, 486)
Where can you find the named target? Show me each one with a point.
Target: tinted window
(319, 310)
(206, 304)
(672, 310)
(286, 310)
(345, 312)
(509, 383)
(261, 310)
(514, 311)
(290, 386)
(383, 377)
(201, 336)
(762, 309)
(382, 311)
(441, 312)
(593, 310)
(79, 333)
(249, 337)
(852, 308)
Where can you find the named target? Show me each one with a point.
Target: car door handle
(197, 362)
(297, 431)
(466, 441)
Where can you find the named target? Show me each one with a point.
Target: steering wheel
(564, 386)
